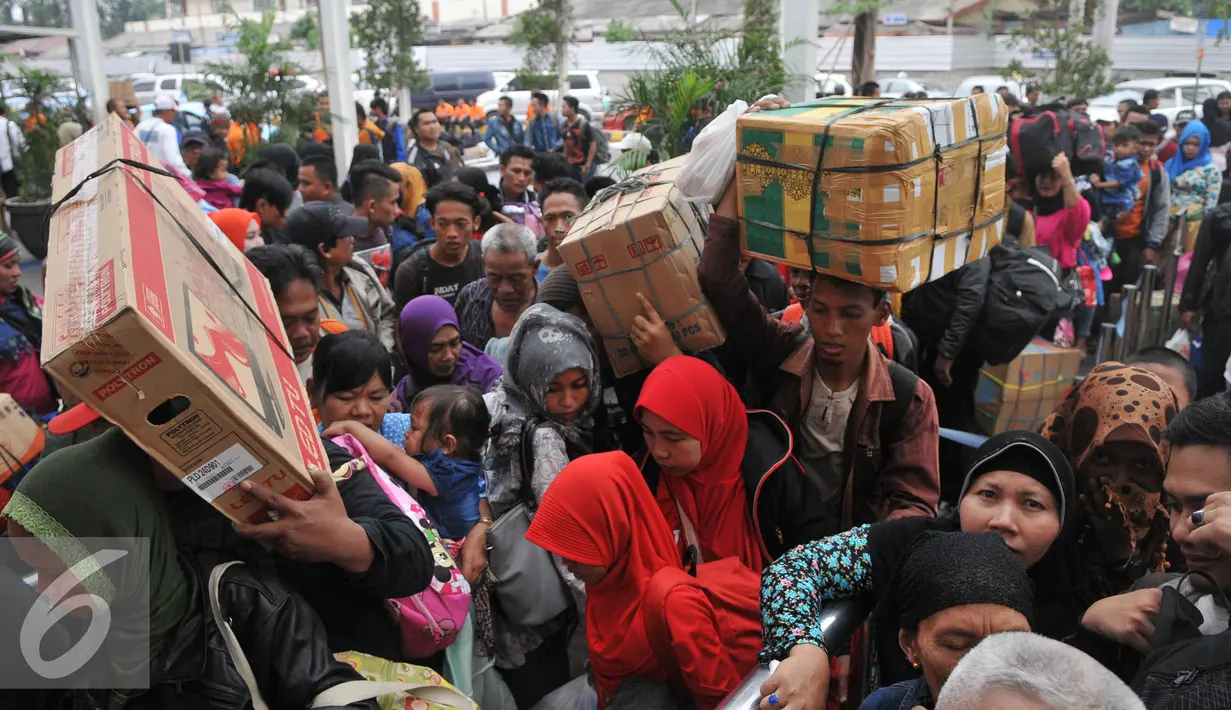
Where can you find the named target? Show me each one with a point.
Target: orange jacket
(239, 137)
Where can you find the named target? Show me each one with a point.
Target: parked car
(584, 85)
(990, 83)
(1175, 94)
(900, 85)
(191, 116)
(148, 86)
(831, 83)
(454, 85)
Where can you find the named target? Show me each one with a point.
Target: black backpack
(1023, 292)
(1183, 669)
(1085, 143)
(1037, 137)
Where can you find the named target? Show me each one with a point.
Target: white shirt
(1214, 617)
(163, 143)
(11, 140)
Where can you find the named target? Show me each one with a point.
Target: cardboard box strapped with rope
(641, 236)
(158, 322)
(886, 192)
(1019, 395)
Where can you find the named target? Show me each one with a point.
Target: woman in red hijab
(242, 227)
(599, 516)
(696, 428)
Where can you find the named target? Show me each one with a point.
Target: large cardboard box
(1021, 394)
(644, 238)
(124, 91)
(166, 330)
(889, 193)
(21, 438)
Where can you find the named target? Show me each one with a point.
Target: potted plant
(36, 159)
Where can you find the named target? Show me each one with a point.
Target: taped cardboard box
(168, 331)
(881, 191)
(21, 438)
(642, 237)
(1021, 394)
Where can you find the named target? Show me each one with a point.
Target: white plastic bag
(1181, 343)
(711, 163)
(577, 694)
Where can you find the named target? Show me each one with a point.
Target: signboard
(1184, 25)
(895, 19)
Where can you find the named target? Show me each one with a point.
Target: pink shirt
(1063, 231)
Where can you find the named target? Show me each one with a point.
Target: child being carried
(1121, 174)
(440, 456)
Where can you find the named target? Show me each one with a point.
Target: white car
(990, 83)
(1175, 94)
(830, 84)
(148, 86)
(900, 86)
(584, 85)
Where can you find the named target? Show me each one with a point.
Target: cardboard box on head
(156, 321)
(643, 238)
(21, 438)
(885, 192)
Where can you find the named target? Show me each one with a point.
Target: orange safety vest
(882, 335)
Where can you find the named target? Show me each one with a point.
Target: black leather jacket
(282, 637)
(352, 606)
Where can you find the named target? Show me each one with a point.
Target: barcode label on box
(223, 472)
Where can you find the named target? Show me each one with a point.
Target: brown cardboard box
(889, 193)
(1021, 394)
(644, 238)
(21, 439)
(160, 324)
(123, 90)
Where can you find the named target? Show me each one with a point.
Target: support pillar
(335, 43)
(88, 48)
(798, 21)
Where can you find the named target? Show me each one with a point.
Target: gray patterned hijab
(544, 343)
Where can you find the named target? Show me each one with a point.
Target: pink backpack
(429, 621)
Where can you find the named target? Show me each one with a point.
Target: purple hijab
(420, 321)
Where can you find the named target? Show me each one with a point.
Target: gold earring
(916, 665)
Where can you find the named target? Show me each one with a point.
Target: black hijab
(1061, 598)
(282, 158)
(1211, 116)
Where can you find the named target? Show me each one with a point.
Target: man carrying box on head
(867, 429)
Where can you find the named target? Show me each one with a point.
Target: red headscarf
(598, 511)
(234, 223)
(694, 398)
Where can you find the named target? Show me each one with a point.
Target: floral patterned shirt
(794, 587)
(1195, 191)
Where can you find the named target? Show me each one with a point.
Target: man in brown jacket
(833, 387)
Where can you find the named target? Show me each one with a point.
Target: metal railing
(1141, 327)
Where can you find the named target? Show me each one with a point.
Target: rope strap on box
(937, 155)
(119, 164)
(638, 184)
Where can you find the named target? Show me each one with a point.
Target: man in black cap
(350, 290)
(191, 146)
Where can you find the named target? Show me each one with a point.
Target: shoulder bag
(528, 585)
(339, 695)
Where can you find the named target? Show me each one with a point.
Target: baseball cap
(194, 138)
(1185, 116)
(319, 222)
(164, 102)
(72, 419)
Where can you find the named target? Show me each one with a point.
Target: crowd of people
(648, 541)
